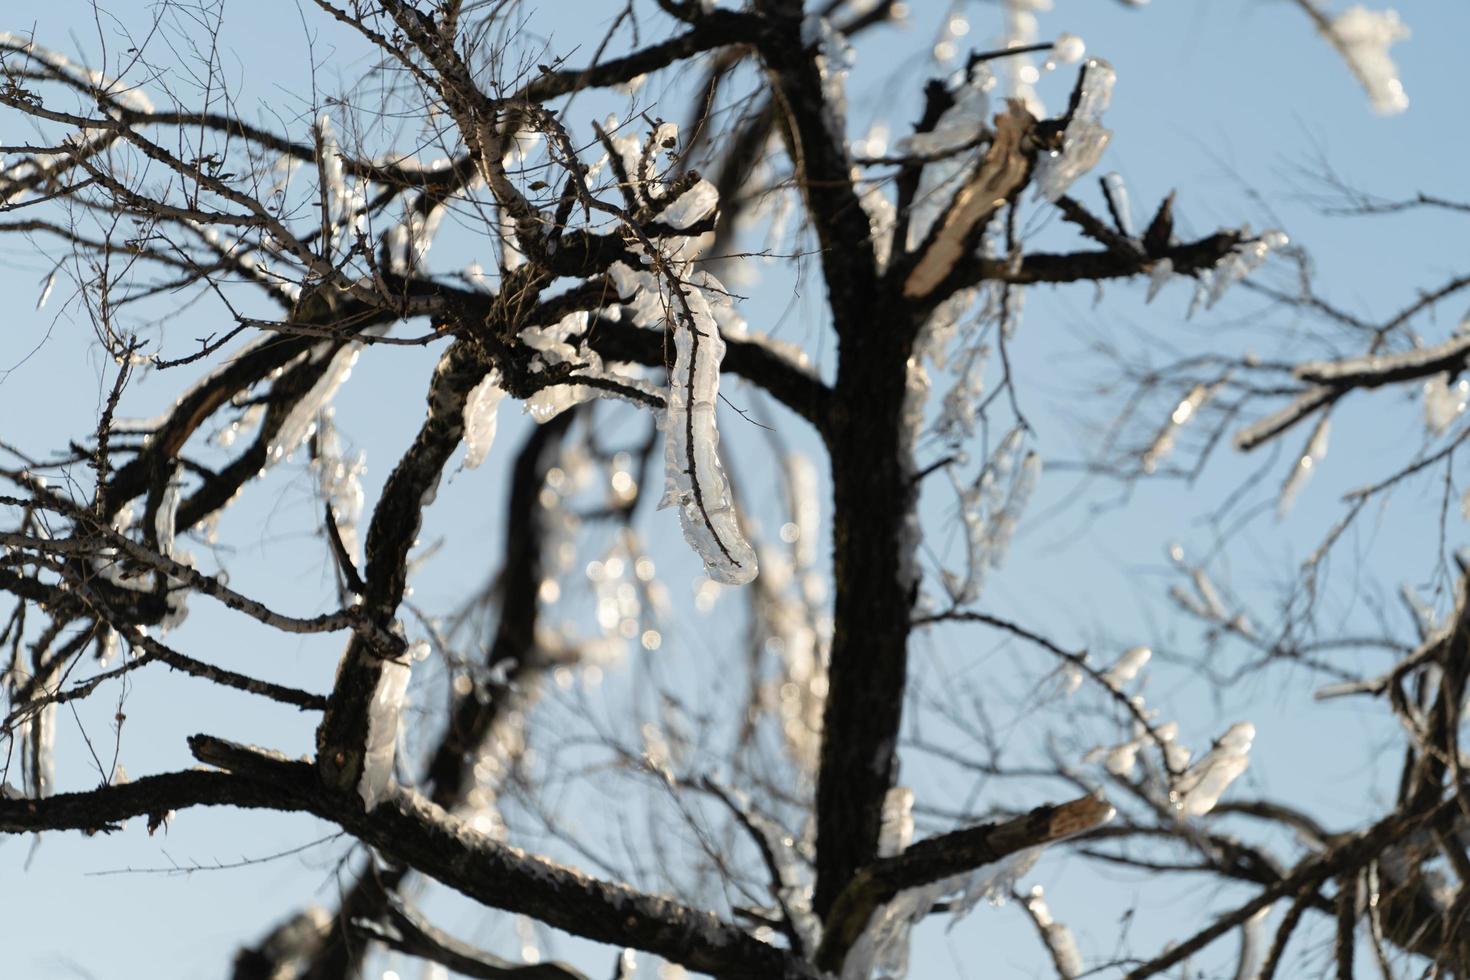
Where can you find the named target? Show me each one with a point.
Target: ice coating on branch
(695, 476)
(1363, 37)
(1122, 759)
(1444, 402)
(340, 481)
(896, 830)
(960, 126)
(1241, 262)
(130, 98)
(990, 509)
(1163, 443)
(1058, 938)
(1084, 139)
(166, 518)
(1158, 275)
(1127, 667)
(1199, 789)
(1304, 467)
(1117, 193)
(564, 342)
(46, 289)
(480, 417)
(382, 736)
(300, 421)
(692, 206)
(35, 732)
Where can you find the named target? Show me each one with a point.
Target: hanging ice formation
(1084, 139)
(1188, 407)
(695, 477)
(960, 126)
(1199, 789)
(1304, 467)
(480, 419)
(882, 948)
(670, 294)
(1363, 37)
(990, 509)
(382, 736)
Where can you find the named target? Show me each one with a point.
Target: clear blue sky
(1229, 102)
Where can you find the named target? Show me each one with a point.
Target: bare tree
(779, 838)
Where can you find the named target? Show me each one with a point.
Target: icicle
(300, 421)
(46, 289)
(166, 517)
(990, 513)
(1058, 938)
(1162, 270)
(382, 737)
(1127, 667)
(1084, 139)
(38, 752)
(1304, 467)
(1117, 193)
(1252, 945)
(1208, 594)
(1443, 402)
(897, 823)
(1199, 789)
(960, 125)
(692, 206)
(696, 478)
(480, 418)
(1188, 406)
(1363, 37)
(1241, 262)
(340, 482)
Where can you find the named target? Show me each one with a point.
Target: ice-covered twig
(1085, 138)
(1055, 936)
(1372, 370)
(936, 858)
(1363, 37)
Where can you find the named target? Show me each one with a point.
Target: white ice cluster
(300, 422)
(29, 174)
(959, 126)
(990, 509)
(1305, 466)
(1199, 789)
(1444, 401)
(1364, 37)
(694, 476)
(882, 949)
(481, 418)
(1186, 409)
(1084, 139)
(384, 712)
(1240, 262)
(110, 567)
(339, 480)
(564, 343)
(793, 622)
(1058, 938)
